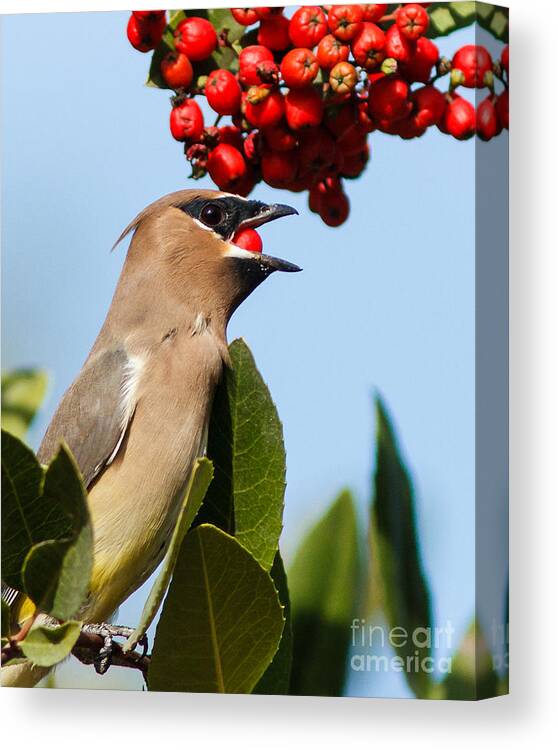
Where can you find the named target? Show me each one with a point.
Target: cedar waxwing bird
(137, 415)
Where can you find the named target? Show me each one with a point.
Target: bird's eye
(212, 214)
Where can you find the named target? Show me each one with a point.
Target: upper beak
(265, 214)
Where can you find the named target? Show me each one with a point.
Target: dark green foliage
(404, 591)
(245, 444)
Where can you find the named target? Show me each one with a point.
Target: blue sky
(386, 302)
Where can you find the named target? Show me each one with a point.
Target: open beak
(260, 214)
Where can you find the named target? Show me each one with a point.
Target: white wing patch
(132, 375)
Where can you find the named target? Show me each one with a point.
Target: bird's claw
(108, 633)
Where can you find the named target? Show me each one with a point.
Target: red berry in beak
(248, 239)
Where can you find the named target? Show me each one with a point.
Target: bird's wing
(94, 414)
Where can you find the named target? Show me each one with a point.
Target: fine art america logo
(415, 650)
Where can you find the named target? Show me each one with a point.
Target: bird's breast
(135, 503)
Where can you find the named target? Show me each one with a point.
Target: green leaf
(472, 676)
(277, 677)
(23, 392)
(446, 18)
(245, 443)
(46, 646)
(25, 514)
(464, 11)
(57, 572)
(323, 584)
(46, 532)
(484, 11)
(199, 481)
(221, 621)
(404, 591)
(499, 25)
(441, 22)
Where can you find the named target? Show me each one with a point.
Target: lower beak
(277, 264)
(269, 213)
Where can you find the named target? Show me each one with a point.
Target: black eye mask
(223, 215)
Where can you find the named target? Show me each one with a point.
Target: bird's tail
(23, 674)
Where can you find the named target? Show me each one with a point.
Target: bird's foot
(108, 633)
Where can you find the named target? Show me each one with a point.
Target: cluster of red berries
(306, 94)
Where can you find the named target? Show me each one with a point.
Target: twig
(88, 646)
(86, 650)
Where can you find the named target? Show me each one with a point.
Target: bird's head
(187, 237)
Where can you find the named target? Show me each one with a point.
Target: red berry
(279, 138)
(145, 35)
(488, 122)
(316, 152)
(459, 119)
(412, 20)
(339, 120)
(186, 121)
(231, 135)
(279, 169)
(374, 12)
(249, 60)
(505, 59)
(429, 106)
(245, 184)
(331, 51)
(344, 21)
(245, 16)
(266, 12)
(223, 92)
(343, 77)
(303, 108)
(177, 70)
(334, 208)
(264, 107)
(226, 166)
(299, 68)
(363, 116)
(274, 33)
(502, 107)
(354, 164)
(424, 57)
(353, 139)
(196, 38)
(148, 15)
(314, 199)
(368, 46)
(474, 62)
(389, 99)
(320, 189)
(406, 128)
(308, 26)
(398, 46)
(248, 239)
